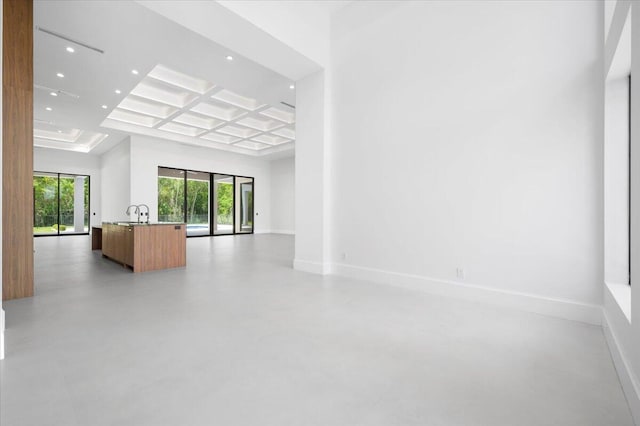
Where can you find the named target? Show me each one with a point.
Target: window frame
(58, 234)
(211, 201)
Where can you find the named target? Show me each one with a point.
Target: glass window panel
(74, 204)
(244, 205)
(197, 203)
(223, 204)
(171, 184)
(45, 204)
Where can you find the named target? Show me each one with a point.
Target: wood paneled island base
(145, 247)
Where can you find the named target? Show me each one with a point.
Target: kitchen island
(145, 247)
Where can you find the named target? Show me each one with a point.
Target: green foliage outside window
(45, 196)
(171, 201)
(225, 203)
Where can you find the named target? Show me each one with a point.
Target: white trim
(621, 293)
(560, 308)
(311, 266)
(283, 231)
(627, 377)
(1, 333)
(615, 32)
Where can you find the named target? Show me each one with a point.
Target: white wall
(283, 196)
(116, 182)
(622, 302)
(149, 153)
(468, 135)
(56, 161)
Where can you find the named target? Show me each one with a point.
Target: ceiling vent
(69, 39)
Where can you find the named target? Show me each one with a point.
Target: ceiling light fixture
(292, 87)
(229, 58)
(48, 108)
(118, 91)
(70, 49)
(57, 91)
(104, 107)
(53, 94)
(134, 72)
(60, 75)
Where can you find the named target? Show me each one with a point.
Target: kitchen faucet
(136, 211)
(143, 214)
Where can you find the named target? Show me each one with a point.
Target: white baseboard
(283, 231)
(311, 266)
(274, 231)
(628, 379)
(560, 308)
(1, 333)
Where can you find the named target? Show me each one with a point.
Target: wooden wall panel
(17, 149)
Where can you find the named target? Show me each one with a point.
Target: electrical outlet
(460, 273)
(344, 256)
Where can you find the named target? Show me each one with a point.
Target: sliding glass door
(74, 204)
(45, 203)
(244, 205)
(223, 204)
(171, 202)
(209, 203)
(197, 203)
(60, 204)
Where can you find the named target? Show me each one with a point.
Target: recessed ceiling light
(48, 108)
(118, 91)
(104, 107)
(53, 94)
(135, 72)
(229, 58)
(59, 131)
(292, 87)
(60, 75)
(70, 49)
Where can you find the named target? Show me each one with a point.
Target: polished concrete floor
(239, 338)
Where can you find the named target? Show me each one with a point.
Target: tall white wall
(56, 161)
(622, 302)
(468, 135)
(116, 182)
(149, 153)
(283, 196)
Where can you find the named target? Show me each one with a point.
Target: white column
(78, 204)
(312, 175)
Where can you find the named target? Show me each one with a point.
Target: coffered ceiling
(173, 105)
(104, 70)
